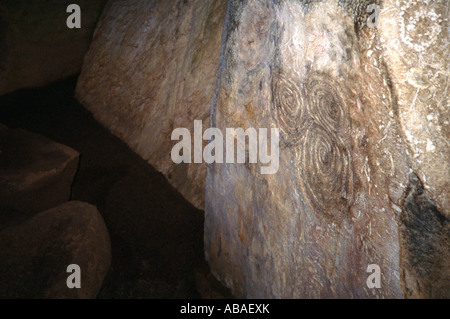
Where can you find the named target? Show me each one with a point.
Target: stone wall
(363, 177)
(358, 90)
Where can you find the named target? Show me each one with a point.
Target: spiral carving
(289, 108)
(325, 172)
(312, 116)
(325, 104)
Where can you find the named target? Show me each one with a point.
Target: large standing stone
(35, 173)
(36, 47)
(347, 193)
(415, 39)
(34, 255)
(152, 67)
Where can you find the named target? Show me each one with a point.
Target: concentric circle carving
(313, 117)
(289, 108)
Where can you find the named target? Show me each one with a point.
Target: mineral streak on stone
(35, 173)
(426, 245)
(316, 71)
(36, 47)
(152, 67)
(34, 254)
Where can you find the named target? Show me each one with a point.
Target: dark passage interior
(156, 235)
(259, 149)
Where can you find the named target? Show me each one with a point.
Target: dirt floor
(156, 235)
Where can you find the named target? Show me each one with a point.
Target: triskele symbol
(312, 117)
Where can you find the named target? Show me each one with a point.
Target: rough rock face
(152, 67)
(414, 37)
(363, 175)
(72, 233)
(36, 47)
(35, 173)
(415, 40)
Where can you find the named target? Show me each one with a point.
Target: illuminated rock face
(36, 47)
(359, 95)
(152, 67)
(363, 175)
(415, 40)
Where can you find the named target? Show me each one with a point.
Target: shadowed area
(156, 235)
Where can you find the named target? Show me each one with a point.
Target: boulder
(35, 173)
(363, 173)
(152, 67)
(37, 47)
(10, 217)
(35, 254)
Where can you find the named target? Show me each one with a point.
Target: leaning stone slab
(34, 255)
(35, 173)
(152, 67)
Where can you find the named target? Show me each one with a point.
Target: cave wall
(415, 42)
(363, 175)
(152, 67)
(37, 47)
(414, 39)
(362, 108)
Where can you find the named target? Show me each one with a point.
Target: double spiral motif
(312, 117)
(325, 104)
(289, 108)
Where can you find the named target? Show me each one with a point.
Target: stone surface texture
(152, 67)
(35, 173)
(363, 116)
(359, 91)
(36, 47)
(34, 254)
(414, 38)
